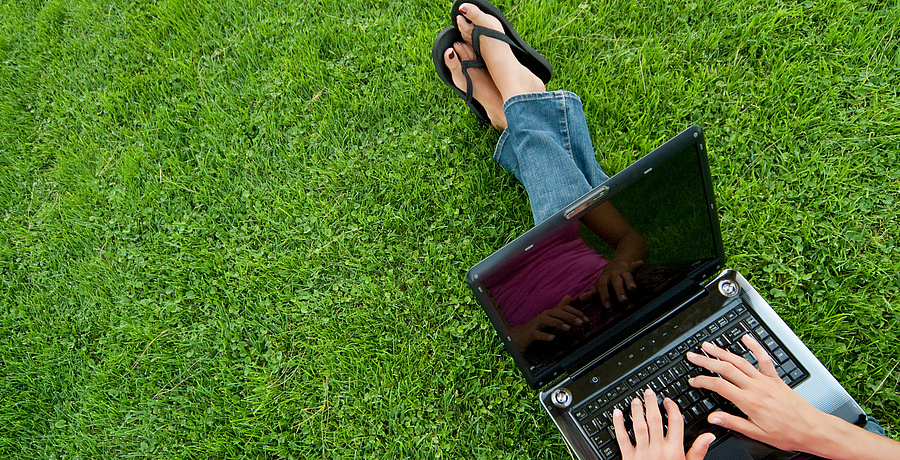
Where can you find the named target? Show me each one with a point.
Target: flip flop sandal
(531, 59)
(445, 39)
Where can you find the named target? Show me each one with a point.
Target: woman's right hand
(776, 414)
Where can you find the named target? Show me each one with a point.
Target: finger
(700, 447)
(762, 357)
(724, 368)
(576, 313)
(654, 417)
(603, 289)
(676, 422)
(565, 301)
(734, 368)
(641, 433)
(622, 439)
(735, 423)
(629, 281)
(547, 319)
(720, 386)
(619, 287)
(543, 336)
(568, 314)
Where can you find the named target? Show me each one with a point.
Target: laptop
(684, 295)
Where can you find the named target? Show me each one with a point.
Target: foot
(483, 89)
(509, 75)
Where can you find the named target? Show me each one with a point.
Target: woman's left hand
(650, 443)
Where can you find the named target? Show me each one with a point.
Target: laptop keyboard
(668, 376)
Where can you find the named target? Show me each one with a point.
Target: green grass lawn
(240, 229)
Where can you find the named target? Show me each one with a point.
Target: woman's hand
(563, 317)
(650, 443)
(617, 277)
(776, 414)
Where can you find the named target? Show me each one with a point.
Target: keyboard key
(789, 366)
(796, 374)
(608, 452)
(601, 438)
(780, 354)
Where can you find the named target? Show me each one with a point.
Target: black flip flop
(444, 40)
(531, 59)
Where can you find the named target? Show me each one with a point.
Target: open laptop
(683, 297)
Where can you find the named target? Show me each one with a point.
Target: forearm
(839, 440)
(631, 248)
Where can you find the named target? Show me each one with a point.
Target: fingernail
(452, 55)
(715, 421)
(691, 354)
(691, 381)
(464, 9)
(579, 321)
(617, 412)
(706, 345)
(649, 392)
(566, 327)
(623, 298)
(607, 304)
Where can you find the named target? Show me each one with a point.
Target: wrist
(834, 438)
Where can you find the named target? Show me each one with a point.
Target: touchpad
(729, 449)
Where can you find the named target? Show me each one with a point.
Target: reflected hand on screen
(561, 318)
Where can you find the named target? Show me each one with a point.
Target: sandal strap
(465, 66)
(478, 31)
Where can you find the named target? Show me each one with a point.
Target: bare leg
(483, 89)
(509, 75)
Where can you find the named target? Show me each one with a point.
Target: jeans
(873, 426)
(547, 146)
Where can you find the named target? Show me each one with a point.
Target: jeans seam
(568, 137)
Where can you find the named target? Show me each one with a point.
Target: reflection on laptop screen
(667, 214)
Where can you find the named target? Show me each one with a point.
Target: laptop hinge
(592, 355)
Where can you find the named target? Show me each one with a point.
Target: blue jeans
(873, 426)
(547, 146)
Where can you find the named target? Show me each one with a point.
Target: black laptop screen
(659, 221)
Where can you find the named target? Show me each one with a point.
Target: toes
(464, 51)
(451, 59)
(470, 16)
(465, 28)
